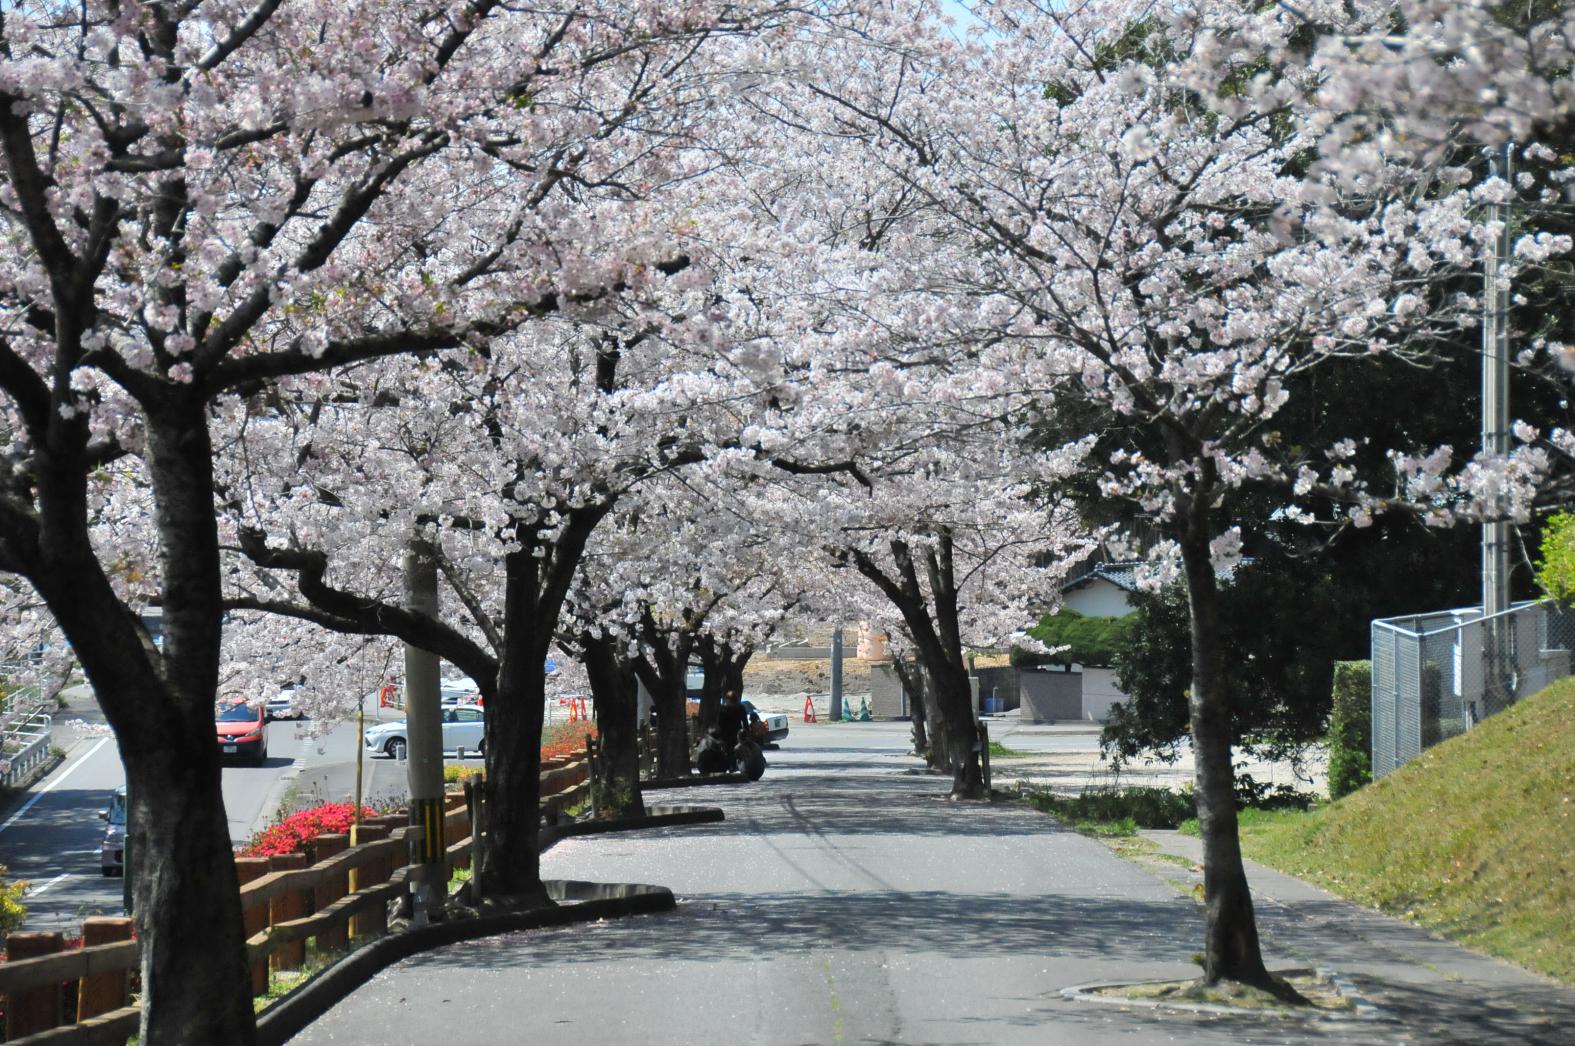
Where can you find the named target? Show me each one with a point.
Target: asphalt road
(52, 838)
(843, 901)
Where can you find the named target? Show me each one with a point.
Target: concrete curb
(586, 902)
(697, 781)
(655, 817)
(1361, 1008)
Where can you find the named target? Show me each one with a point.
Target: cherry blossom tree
(1156, 266)
(202, 199)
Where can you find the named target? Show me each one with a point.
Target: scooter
(713, 757)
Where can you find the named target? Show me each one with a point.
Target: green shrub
(1556, 565)
(1351, 728)
(13, 913)
(1144, 807)
(1432, 704)
(1088, 640)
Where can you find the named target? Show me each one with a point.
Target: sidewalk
(1438, 991)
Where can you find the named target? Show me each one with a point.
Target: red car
(242, 730)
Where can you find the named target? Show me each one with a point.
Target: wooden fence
(82, 995)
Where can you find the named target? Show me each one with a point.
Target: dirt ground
(771, 677)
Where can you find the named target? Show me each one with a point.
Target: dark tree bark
(938, 643)
(196, 986)
(615, 687)
(1231, 949)
(662, 666)
(912, 680)
(724, 665)
(715, 684)
(513, 683)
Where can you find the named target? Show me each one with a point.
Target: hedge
(1351, 728)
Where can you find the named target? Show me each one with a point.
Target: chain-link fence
(1436, 675)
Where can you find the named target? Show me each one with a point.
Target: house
(1081, 690)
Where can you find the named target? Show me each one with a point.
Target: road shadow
(725, 926)
(831, 801)
(273, 762)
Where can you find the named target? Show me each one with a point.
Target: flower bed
(295, 833)
(565, 740)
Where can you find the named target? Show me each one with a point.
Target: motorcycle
(714, 757)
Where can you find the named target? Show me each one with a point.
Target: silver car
(464, 726)
(112, 858)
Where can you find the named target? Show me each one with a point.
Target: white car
(776, 725)
(282, 704)
(461, 691)
(464, 726)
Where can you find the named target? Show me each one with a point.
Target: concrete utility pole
(424, 723)
(1496, 690)
(836, 673)
(1495, 393)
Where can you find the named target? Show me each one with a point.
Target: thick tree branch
(364, 615)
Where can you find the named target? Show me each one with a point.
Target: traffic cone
(809, 709)
(864, 710)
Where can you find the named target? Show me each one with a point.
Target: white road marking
(35, 891)
(53, 784)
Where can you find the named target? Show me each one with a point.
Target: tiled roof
(1122, 575)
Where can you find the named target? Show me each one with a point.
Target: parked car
(282, 705)
(776, 723)
(464, 726)
(112, 858)
(461, 691)
(242, 730)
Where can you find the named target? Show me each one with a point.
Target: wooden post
(337, 937)
(287, 905)
(102, 992)
(254, 917)
(373, 920)
(36, 1009)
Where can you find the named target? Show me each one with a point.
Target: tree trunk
(614, 686)
(734, 661)
(954, 698)
(1231, 935)
(196, 983)
(912, 686)
(195, 978)
(662, 667)
(511, 862)
(941, 748)
(672, 721)
(711, 656)
(724, 674)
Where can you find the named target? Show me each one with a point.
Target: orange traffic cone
(809, 709)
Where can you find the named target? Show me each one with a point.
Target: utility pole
(424, 752)
(1495, 442)
(836, 673)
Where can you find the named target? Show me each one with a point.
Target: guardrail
(284, 903)
(24, 746)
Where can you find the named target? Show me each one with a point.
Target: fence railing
(284, 903)
(1436, 675)
(24, 746)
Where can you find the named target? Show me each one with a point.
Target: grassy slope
(1475, 839)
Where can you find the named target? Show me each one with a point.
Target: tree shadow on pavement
(707, 928)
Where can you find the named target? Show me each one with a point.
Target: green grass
(1142, 807)
(1474, 839)
(1000, 751)
(1249, 819)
